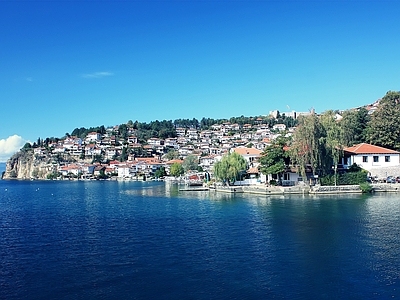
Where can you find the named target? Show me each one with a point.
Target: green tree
(138, 151)
(172, 154)
(83, 132)
(305, 148)
(102, 174)
(383, 129)
(53, 175)
(331, 141)
(123, 131)
(206, 123)
(27, 146)
(160, 172)
(353, 126)
(124, 154)
(191, 162)
(272, 160)
(176, 170)
(97, 158)
(229, 167)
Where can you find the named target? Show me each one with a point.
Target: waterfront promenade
(299, 189)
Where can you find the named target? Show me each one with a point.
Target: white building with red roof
(251, 155)
(372, 158)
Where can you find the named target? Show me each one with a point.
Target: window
(387, 158)
(365, 158)
(376, 158)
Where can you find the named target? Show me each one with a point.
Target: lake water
(147, 240)
(2, 167)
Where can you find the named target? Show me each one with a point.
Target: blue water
(2, 168)
(134, 240)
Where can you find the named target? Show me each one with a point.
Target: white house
(280, 127)
(251, 155)
(40, 151)
(206, 162)
(180, 131)
(155, 142)
(124, 171)
(235, 127)
(216, 127)
(92, 149)
(59, 149)
(192, 134)
(88, 169)
(93, 136)
(70, 169)
(132, 139)
(111, 153)
(184, 151)
(172, 143)
(371, 158)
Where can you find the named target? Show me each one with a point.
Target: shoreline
(259, 189)
(319, 190)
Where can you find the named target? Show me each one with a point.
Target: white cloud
(9, 146)
(30, 79)
(97, 75)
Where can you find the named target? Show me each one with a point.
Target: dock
(194, 189)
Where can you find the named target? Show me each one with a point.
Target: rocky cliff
(26, 165)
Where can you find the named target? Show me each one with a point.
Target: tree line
(167, 128)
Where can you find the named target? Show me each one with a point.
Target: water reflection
(150, 240)
(382, 236)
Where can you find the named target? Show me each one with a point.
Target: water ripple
(138, 240)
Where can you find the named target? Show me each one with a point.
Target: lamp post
(335, 167)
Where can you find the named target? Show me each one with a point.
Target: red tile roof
(170, 162)
(147, 159)
(247, 151)
(364, 148)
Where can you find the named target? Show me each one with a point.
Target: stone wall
(382, 173)
(335, 189)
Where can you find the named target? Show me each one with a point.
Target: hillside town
(99, 155)
(116, 152)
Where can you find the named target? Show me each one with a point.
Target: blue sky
(68, 64)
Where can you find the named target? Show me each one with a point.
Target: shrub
(349, 178)
(366, 187)
(328, 180)
(53, 175)
(353, 178)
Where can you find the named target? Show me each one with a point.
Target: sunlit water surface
(147, 240)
